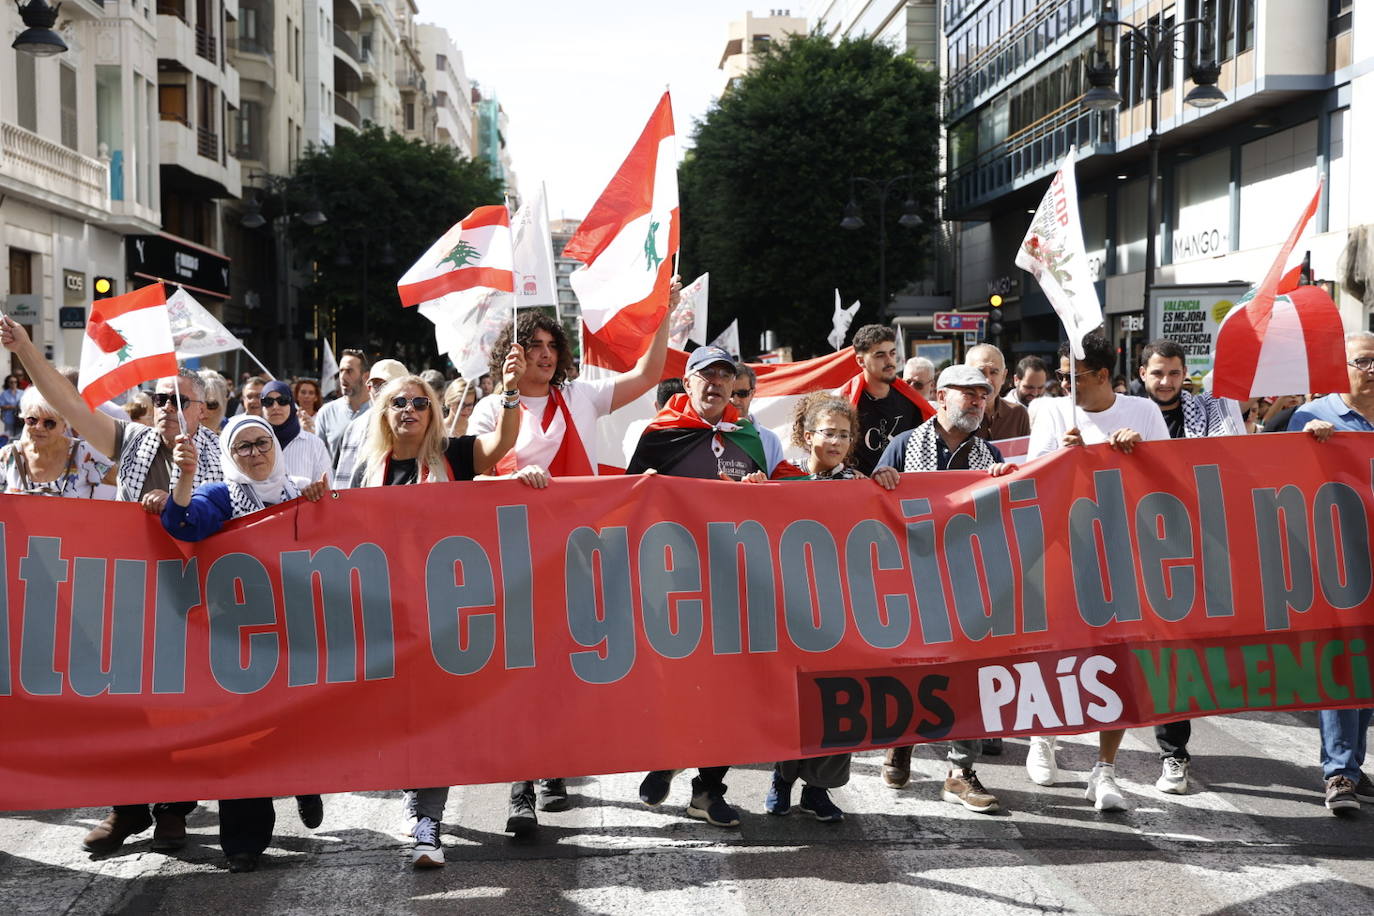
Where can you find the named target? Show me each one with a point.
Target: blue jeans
(1343, 741)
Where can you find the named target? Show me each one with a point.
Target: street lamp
(1158, 42)
(39, 39)
(909, 219)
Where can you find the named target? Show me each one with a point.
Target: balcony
(207, 144)
(346, 43)
(345, 109)
(39, 170)
(197, 159)
(206, 46)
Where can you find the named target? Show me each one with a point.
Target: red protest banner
(411, 636)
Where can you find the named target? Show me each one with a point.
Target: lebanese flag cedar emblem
(475, 252)
(128, 341)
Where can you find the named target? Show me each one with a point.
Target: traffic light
(103, 287)
(994, 315)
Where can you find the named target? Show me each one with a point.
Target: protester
(306, 393)
(826, 427)
(355, 434)
(9, 407)
(1277, 412)
(1120, 385)
(250, 399)
(886, 404)
(254, 479)
(406, 445)
(1344, 731)
(558, 438)
(304, 454)
(485, 383)
(139, 407)
(146, 472)
(1099, 415)
(216, 400)
(352, 402)
(1028, 382)
(1001, 420)
(662, 392)
(950, 441)
(460, 397)
(700, 434)
(45, 460)
(919, 373)
(434, 379)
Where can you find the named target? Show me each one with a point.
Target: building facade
(910, 26)
(492, 126)
(447, 79)
(748, 38)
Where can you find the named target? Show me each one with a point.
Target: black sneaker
(654, 789)
(311, 810)
(241, 862)
(708, 804)
(1340, 794)
(521, 820)
(992, 747)
(553, 795)
(779, 800)
(1364, 789)
(816, 802)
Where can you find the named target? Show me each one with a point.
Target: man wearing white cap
(382, 371)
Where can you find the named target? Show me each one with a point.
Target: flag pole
(1073, 389)
(270, 376)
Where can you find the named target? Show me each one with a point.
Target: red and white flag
(1280, 338)
(474, 253)
(128, 341)
(627, 243)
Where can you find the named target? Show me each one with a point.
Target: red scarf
(679, 413)
(854, 388)
(571, 459)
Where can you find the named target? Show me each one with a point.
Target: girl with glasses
(255, 479)
(45, 460)
(304, 454)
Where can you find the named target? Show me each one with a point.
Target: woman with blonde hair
(45, 460)
(460, 397)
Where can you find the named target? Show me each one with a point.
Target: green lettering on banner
(1359, 669)
(1156, 676)
(1228, 693)
(1190, 684)
(1330, 686)
(1297, 680)
(1257, 682)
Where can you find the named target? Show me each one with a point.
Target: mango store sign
(1190, 316)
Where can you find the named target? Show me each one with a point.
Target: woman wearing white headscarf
(254, 478)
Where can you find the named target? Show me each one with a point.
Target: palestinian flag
(677, 430)
(128, 341)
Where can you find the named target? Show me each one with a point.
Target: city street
(1253, 837)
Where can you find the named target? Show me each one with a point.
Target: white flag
(466, 325)
(729, 339)
(840, 322)
(1053, 253)
(329, 372)
(688, 320)
(535, 281)
(195, 332)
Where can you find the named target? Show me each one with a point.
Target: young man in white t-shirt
(552, 402)
(1100, 415)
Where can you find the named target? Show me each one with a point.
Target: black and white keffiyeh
(1204, 416)
(246, 494)
(923, 453)
(140, 449)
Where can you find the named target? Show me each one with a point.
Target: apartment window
(440, 63)
(1226, 29)
(207, 139)
(290, 50)
(172, 103)
(67, 91)
(410, 115)
(26, 87)
(1341, 11)
(290, 140)
(248, 140)
(1245, 10)
(299, 54)
(21, 272)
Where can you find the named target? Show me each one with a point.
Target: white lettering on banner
(185, 264)
(1025, 685)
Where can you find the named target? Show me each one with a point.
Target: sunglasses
(212, 405)
(261, 446)
(1064, 376)
(162, 398)
(276, 400)
(48, 422)
(741, 392)
(420, 403)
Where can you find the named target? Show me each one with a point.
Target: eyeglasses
(376, 383)
(420, 403)
(212, 405)
(835, 435)
(261, 446)
(48, 422)
(716, 373)
(1064, 376)
(917, 384)
(276, 400)
(162, 398)
(741, 392)
(1363, 363)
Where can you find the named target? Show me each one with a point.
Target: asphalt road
(1252, 837)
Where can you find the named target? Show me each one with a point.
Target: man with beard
(1028, 382)
(948, 441)
(886, 404)
(353, 401)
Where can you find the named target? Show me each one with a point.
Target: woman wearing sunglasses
(254, 479)
(45, 460)
(406, 445)
(304, 454)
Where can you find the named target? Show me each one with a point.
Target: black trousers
(245, 825)
(1172, 738)
(182, 808)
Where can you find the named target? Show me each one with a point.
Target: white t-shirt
(587, 402)
(1051, 418)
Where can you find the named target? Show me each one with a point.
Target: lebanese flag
(1274, 344)
(627, 243)
(128, 341)
(475, 252)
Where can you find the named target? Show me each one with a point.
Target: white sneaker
(1040, 763)
(428, 851)
(1102, 789)
(1174, 778)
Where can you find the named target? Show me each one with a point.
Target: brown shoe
(964, 788)
(170, 832)
(897, 766)
(111, 833)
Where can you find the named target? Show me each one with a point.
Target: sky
(578, 81)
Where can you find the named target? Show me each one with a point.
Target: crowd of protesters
(199, 450)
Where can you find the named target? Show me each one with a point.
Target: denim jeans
(1343, 741)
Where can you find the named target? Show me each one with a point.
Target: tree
(765, 186)
(386, 198)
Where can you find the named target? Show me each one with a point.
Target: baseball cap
(963, 377)
(387, 370)
(705, 356)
